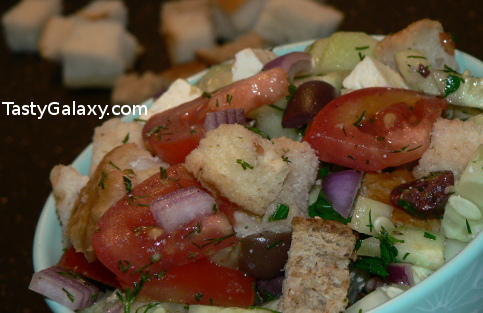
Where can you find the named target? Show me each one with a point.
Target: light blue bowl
(457, 287)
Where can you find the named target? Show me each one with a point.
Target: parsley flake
(280, 213)
(452, 82)
(126, 139)
(430, 236)
(244, 164)
(127, 184)
(468, 228)
(101, 182)
(68, 294)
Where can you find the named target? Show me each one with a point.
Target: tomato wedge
(202, 282)
(374, 128)
(174, 133)
(128, 241)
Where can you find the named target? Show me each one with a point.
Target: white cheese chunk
(372, 73)
(249, 62)
(178, 93)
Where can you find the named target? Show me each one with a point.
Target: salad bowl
(456, 287)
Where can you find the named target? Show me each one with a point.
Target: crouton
(317, 270)
(111, 134)
(182, 39)
(281, 23)
(453, 142)
(253, 172)
(425, 35)
(236, 17)
(54, 35)
(113, 10)
(225, 52)
(133, 89)
(23, 24)
(105, 188)
(67, 183)
(96, 54)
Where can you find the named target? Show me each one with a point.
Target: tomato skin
(174, 133)
(197, 283)
(374, 128)
(127, 237)
(77, 262)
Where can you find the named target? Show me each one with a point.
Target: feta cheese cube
(187, 27)
(23, 23)
(372, 73)
(178, 93)
(96, 54)
(249, 62)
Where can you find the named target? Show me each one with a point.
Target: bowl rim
(48, 224)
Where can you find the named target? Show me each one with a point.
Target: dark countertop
(30, 147)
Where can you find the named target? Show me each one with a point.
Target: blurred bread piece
(55, 34)
(453, 143)
(234, 18)
(23, 24)
(221, 53)
(111, 134)
(96, 54)
(67, 183)
(186, 26)
(105, 188)
(133, 88)
(426, 36)
(317, 270)
(285, 21)
(112, 10)
(184, 70)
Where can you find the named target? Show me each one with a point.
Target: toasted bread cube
(134, 88)
(113, 10)
(187, 27)
(317, 270)
(96, 54)
(55, 34)
(280, 23)
(24, 22)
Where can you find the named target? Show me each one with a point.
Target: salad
(341, 132)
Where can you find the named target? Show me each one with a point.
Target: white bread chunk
(96, 54)
(178, 93)
(424, 36)
(236, 17)
(453, 142)
(55, 34)
(253, 172)
(131, 89)
(372, 73)
(24, 22)
(317, 270)
(113, 10)
(111, 134)
(249, 62)
(285, 21)
(105, 188)
(186, 27)
(67, 183)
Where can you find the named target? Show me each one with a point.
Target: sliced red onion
(64, 287)
(400, 273)
(229, 116)
(180, 207)
(341, 188)
(295, 63)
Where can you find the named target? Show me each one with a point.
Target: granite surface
(30, 147)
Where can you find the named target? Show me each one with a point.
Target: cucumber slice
(366, 212)
(376, 298)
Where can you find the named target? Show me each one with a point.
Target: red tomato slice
(202, 282)
(374, 128)
(77, 262)
(127, 239)
(174, 133)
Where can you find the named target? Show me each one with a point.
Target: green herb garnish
(69, 295)
(430, 236)
(123, 265)
(359, 120)
(453, 82)
(468, 228)
(101, 182)
(114, 165)
(370, 225)
(406, 205)
(258, 132)
(276, 107)
(127, 184)
(280, 213)
(126, 139)
(244, 164)
(371, 264)
(324, 209)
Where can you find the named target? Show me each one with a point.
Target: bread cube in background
(113, 10)
(96, 54)
(55, 34)
(24, 22)
(235, 17)
(284, 21)
(134, 88)
(187, 27)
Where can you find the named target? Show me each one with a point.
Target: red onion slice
(229, 116)
(181, 207)
(341, 188)
(400, 273)
(64, 287)
(295, 63)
